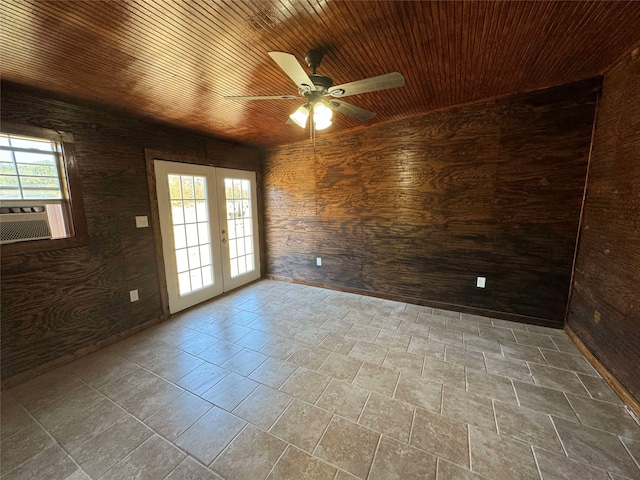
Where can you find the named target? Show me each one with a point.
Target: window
(40, 204)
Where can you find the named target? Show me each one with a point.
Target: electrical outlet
(318, 261)
(133, 295)
(481, 282)
(142, 221)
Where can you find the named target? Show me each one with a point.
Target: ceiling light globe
(321, 115)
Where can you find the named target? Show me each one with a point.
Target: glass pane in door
(239, 226)
(192, 243)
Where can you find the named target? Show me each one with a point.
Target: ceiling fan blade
(292, 68)
(351, 110)
(381, 82)
(264, 97)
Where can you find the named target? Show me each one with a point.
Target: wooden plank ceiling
(175, 60)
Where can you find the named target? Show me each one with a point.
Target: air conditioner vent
(23, 220)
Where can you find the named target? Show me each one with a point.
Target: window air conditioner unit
(22, 220)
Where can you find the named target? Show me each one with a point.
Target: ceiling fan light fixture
(321, 113)
(300, 116)
(321, 125)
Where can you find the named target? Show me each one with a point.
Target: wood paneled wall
(55, 303)
(604, 310)
(418, 208)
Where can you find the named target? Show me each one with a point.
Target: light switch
(318, 261)
(133, 295)
(481, 282)
(142, 221)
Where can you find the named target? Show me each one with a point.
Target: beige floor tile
(151, 398)
(596, 447)
(198, 344)
(343, 399)
(280, 347)
(523, 352)
(251, 455)
(404, 362)
(604, 416)
(340, 367)
(451, 471)
(462, 326)
(273, 372)
(263, 406)
(545, 400)
(46, 388)
(152, 460)
(498, 333)
(175, 368)
(233, 333)
(376, 378)
(255, 339)
(302, 425)
(633, 446)
(99, 368)
(368, 352)
(73, 433)
(448, 337)
(13, 417)
(388, 416)
(109, 447)
(230, 391)
(359, 318)
(501, 458)
(125, 386)
(22, 446)
(450, 374)
(482, 344)
(363, 333)
(175, 417)
(348, 446)
(527, 425)
(342, 475)
(309, 357)
(67, 406)
(441, 436)
(508, 367)
(495, 386)
(189, 469)
(306, 385)
(419, 392)
(245, 362)
(295, 464)
(386, 323)
(464, 357)
(395, 460)
(568, 361)
(599, 389)
(534, 339)
(467, 407)
(338, 343)
(311, 336)
(393, 339)
(220, 352)
(52, 464)
(558, 379)
(198, 441)
(559, 467)
(429, 348)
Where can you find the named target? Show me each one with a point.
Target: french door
(209, 230)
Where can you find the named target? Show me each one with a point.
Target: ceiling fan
(321, 95)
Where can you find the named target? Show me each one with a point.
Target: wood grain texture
(58, 302)
(604, 311)
(419, 207)
(176, 60)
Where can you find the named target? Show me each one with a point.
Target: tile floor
(283, 381)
